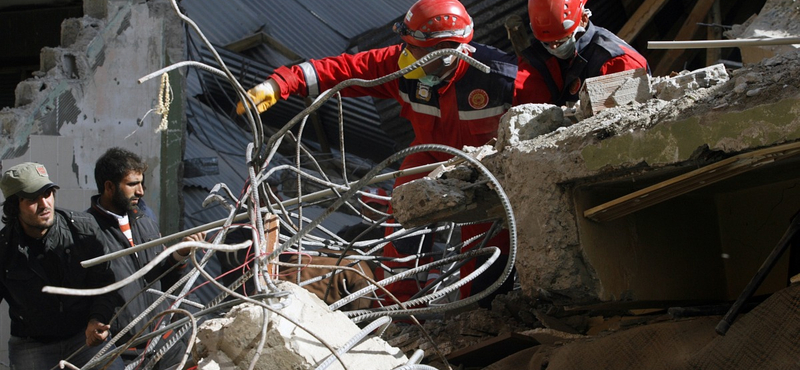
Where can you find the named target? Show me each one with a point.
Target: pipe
(708, 44)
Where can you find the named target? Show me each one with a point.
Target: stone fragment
(671, 88)
(603, 92)
(526, 121)
(231, 342)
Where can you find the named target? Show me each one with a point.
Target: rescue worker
(118, 174)
(447, 101)
(568, 48)
(43, 245)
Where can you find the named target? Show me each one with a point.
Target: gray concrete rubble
(295, 336)
(673, 87)
(547, 169)
(778, 18)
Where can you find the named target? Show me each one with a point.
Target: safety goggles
(555, 44)
(401, 29)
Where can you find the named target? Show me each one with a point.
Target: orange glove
(265, 95)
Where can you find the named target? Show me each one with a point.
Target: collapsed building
(624, 216)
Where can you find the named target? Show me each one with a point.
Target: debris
(614, 90)
(235, 338)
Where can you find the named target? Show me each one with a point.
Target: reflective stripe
(462, 115)
(421, 108)
(311, 79)
(481, 114)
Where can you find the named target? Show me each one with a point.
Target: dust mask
(567, 49)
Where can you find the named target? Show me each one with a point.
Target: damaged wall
(705, 244)
(85, 99)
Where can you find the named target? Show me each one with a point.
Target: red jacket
(463, 111)
(556, 81)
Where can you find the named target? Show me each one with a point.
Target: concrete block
(70, 30)
(527, 121)
(48, 58)
(27, 91)
(616, 89)
(289, 346)
(670, 88)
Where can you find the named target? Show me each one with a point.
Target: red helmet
(378, 191)
(553, 20)
(430, 22)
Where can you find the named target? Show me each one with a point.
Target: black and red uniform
(599, 52)
(463, 110)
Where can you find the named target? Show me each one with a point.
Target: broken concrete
(613, 90)
(777, 19)
(552, 178)
(673, 87)
(232, 342)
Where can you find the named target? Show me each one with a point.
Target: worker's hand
(96, 332)
(264, 95)
(181, 253)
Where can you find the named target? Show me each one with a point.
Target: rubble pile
(300, 333)
(537, 153)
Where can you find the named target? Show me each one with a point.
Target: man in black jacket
(40, 246)
(119, 174)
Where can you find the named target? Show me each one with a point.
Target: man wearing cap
(41, 245)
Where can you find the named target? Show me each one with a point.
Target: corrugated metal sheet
(363, 134)
(311, 28)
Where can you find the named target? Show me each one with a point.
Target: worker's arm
(314, 77)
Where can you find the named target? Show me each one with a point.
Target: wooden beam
(714, 32)
(261, 38)
(690, 181)
(640, 19)
(686, 32)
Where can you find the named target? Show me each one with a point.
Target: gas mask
(407, 58)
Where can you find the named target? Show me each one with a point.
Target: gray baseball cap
(27, 180)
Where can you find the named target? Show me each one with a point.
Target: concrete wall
(669, 251)
(86, 98)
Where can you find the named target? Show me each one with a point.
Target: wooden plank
(686, 32)
(640, 19)
(689, 181)
(261, 38)
(714, 33)
(492, 350)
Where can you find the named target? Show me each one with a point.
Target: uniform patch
(423, 92)
(41, 170)
(478, 99)
(575, 86)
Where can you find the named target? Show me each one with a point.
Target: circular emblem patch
(575, 86)
(478, 99)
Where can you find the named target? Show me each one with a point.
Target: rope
(164, 101)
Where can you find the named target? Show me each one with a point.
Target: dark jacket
(144, 229)
(599, 52)
(47, 317)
